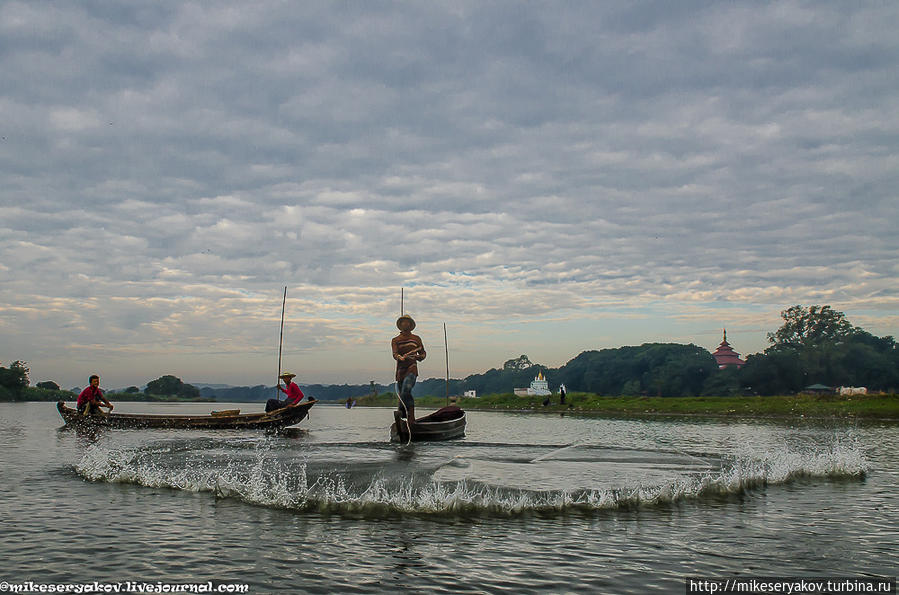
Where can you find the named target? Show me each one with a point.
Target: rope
(396, 386)
(557, 451)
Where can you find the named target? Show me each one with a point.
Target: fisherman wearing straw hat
(408, 350)
(293, 392)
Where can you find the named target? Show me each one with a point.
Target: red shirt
(89, 394)
(294, 394)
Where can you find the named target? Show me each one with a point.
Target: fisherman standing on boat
(89, 401)
(293, 392)
(408, 350)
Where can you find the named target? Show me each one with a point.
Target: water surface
(524, 503)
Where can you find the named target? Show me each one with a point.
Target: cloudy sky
(544, 178)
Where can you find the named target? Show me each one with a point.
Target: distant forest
(322, 392)
(815, 345)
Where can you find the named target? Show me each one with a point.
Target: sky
(542, 178)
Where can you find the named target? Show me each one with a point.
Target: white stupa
(540, 386)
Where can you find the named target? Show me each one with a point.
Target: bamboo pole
(397, 384)
(280, 342)
(446, 349)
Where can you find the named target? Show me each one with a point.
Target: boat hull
(280, 418)
(427, 429)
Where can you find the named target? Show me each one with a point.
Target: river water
(525, 503)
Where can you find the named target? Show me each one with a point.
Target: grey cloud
(167, 167)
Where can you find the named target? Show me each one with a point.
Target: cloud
(622, 173)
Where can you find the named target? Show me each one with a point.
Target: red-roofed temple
(726, 356)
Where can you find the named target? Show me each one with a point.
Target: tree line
(14, 386)
(657, 369)
(13, 381)
(818, 345)
(322, 392)
(814, 345)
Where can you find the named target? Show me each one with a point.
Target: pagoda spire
(726, 356)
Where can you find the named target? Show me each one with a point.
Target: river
(525, 503)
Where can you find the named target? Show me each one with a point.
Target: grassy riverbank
(866, 406)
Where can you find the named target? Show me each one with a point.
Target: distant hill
(211, 385)
(262, 393)
(656, 369)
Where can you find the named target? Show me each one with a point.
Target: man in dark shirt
(408, 350)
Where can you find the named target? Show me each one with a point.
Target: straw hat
(287, 376)
(405, 317)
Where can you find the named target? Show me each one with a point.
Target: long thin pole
(397, 385)
(281, 341)
(446, 348)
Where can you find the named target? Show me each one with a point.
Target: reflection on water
(293, 433)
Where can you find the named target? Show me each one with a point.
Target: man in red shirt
(90, 397)
(293, 392)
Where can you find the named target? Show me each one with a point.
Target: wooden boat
(224, 420)
(444, 424)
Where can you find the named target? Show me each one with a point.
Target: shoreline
(869, 408)
(785, 407)
(657, 414)
(709, 415)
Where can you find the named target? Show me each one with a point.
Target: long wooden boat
(224, 420)
(446, 423)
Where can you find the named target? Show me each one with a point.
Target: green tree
(171, 385)
(189, 391)
(13, 380)
(48, 384)
(819, 345)
(777, 371)
(866, 360)
(666, 369)
(723, 383)
(631, 388)
(132, 390)
(164, 385)
(811, 327)
(520, 363)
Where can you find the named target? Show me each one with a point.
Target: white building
(470, 394)
(539, 387)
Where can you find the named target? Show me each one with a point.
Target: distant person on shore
(91, 398)
(408, 350)
(293, 392)
(562, 392)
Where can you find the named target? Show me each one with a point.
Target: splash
(461, 486)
